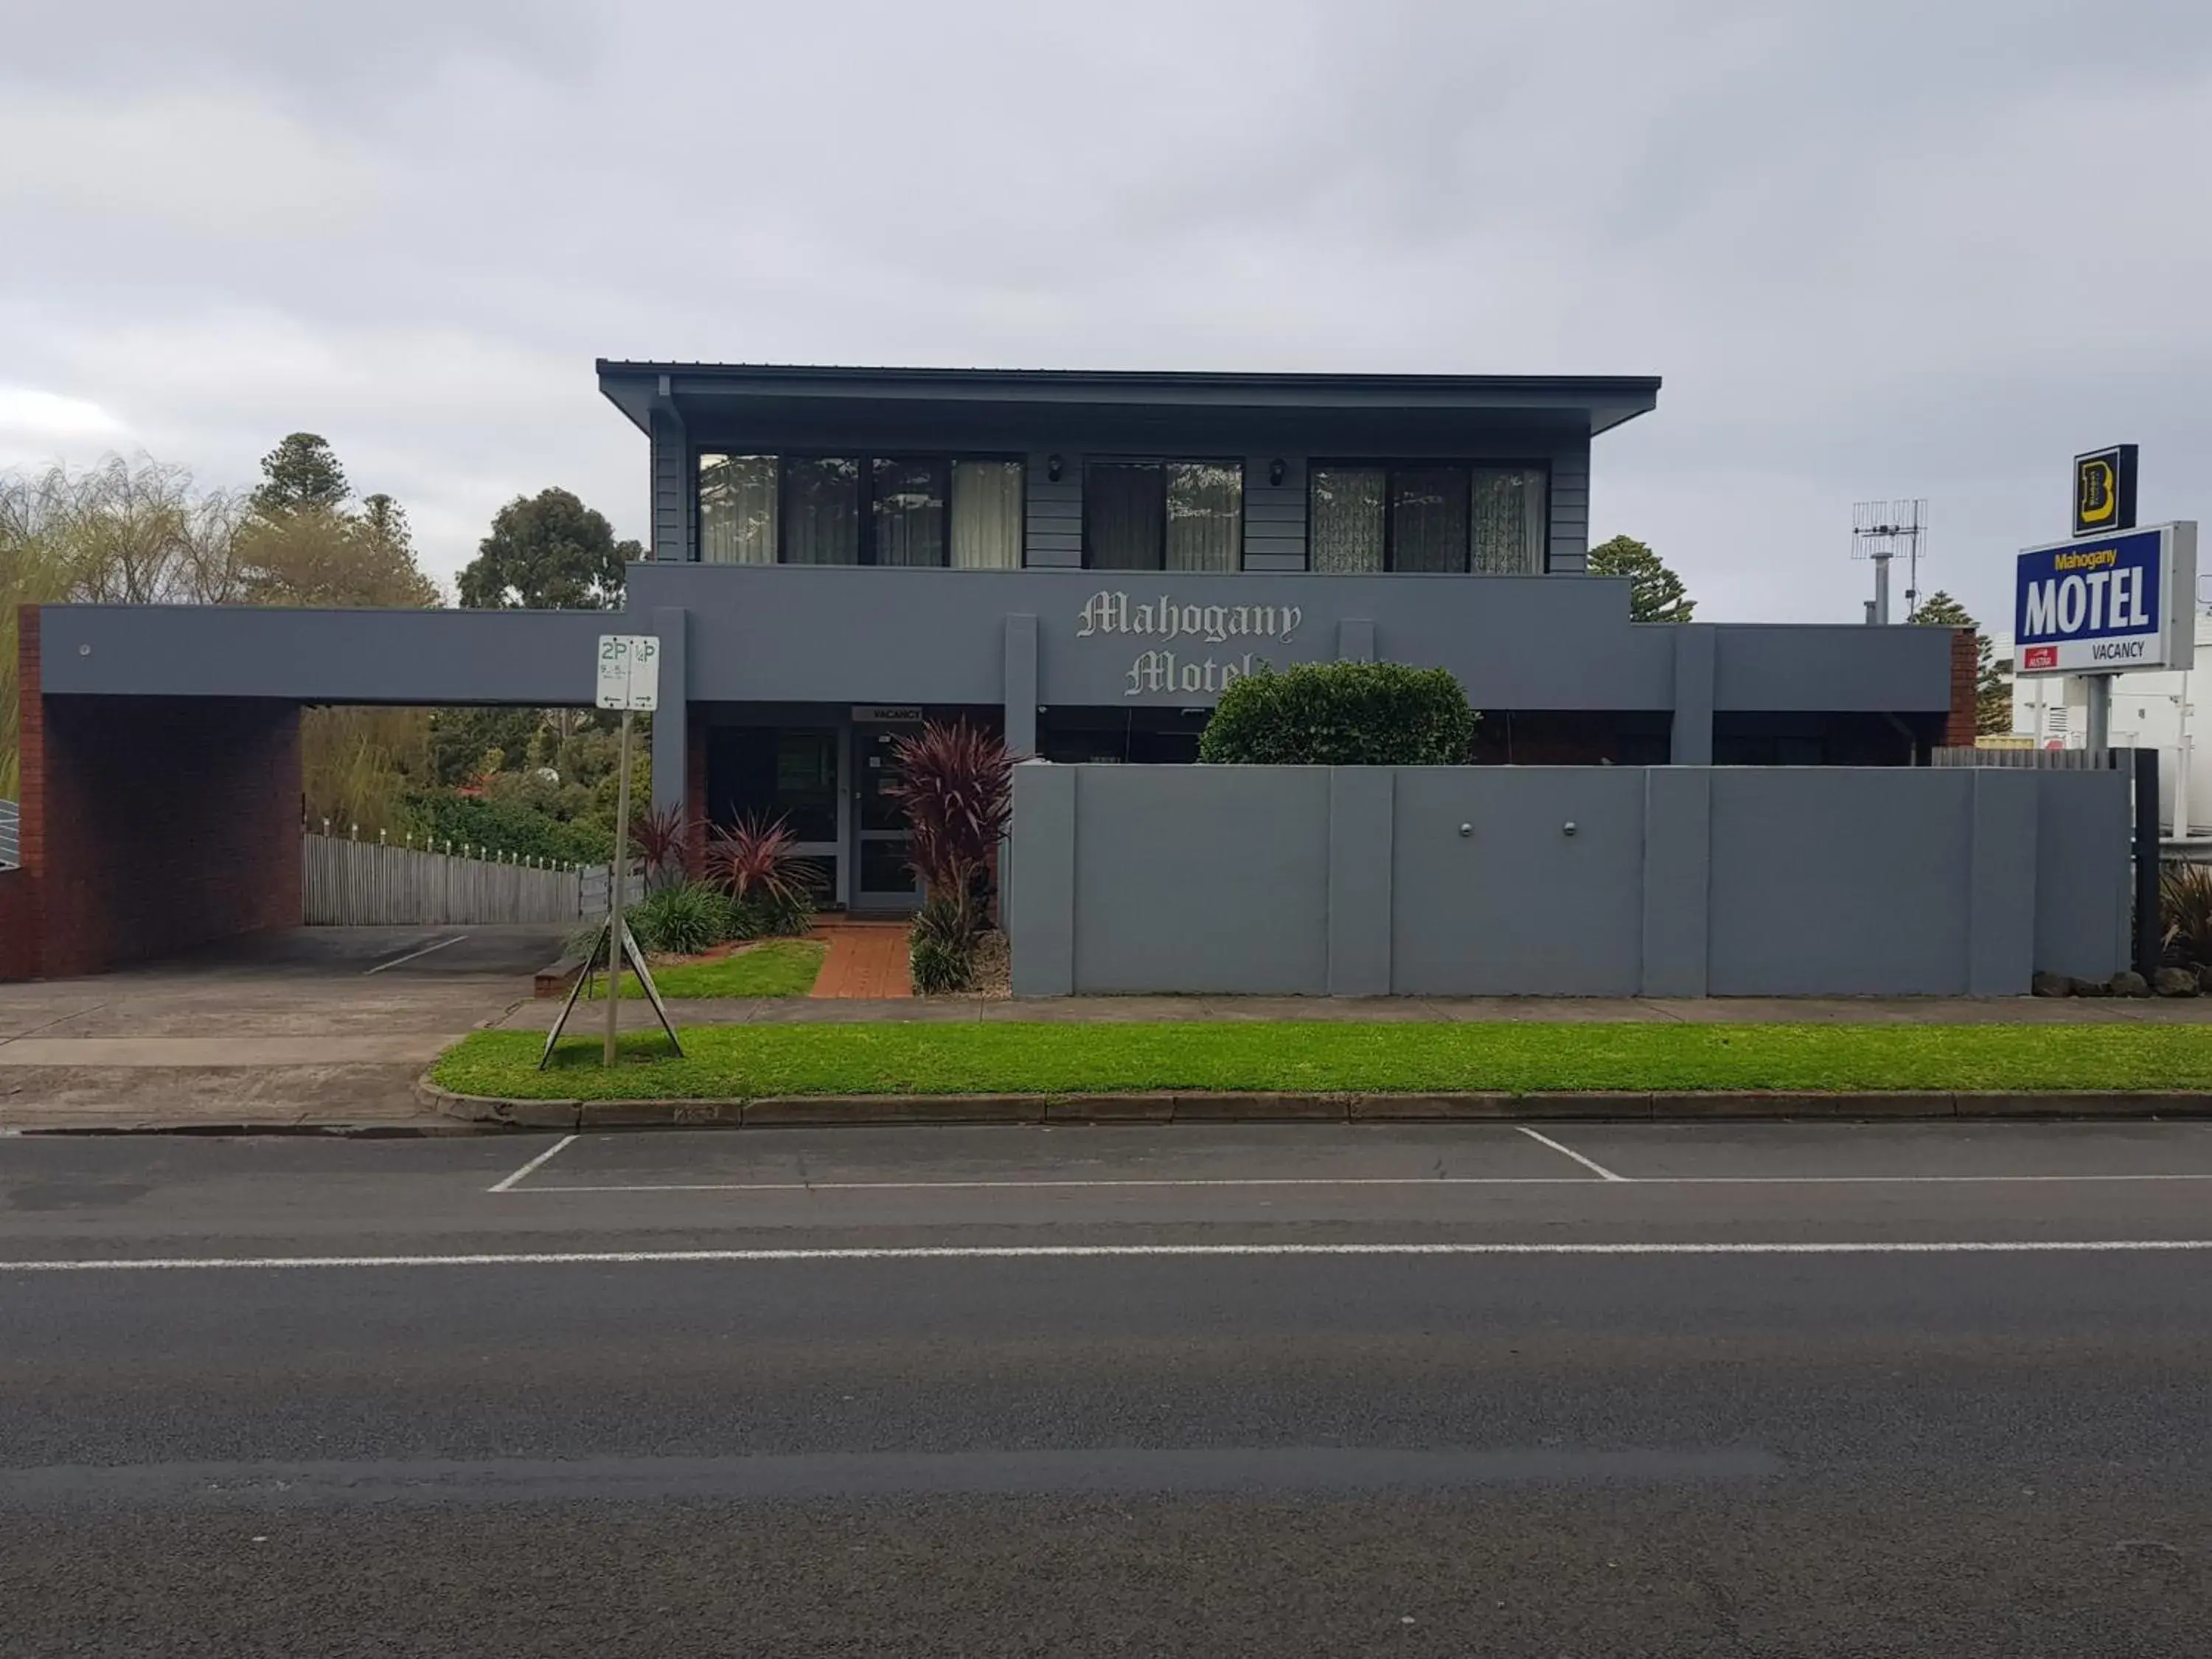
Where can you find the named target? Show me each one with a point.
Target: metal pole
(2149, 947)
(2100, 713)
(615, 885)
(1881, 589)
(2181, 761)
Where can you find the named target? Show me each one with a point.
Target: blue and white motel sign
(2107, 603)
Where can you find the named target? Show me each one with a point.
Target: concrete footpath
(332, 1029)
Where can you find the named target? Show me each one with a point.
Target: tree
(300, 472)
(548, 552)
(318, 556)
(1656, 594)
(1341, 714)
(1992, 686)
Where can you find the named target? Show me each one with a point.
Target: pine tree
(1656, 594)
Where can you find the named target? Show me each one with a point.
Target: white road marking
(506, 1184)
(1568, 1151)
(1081, 1252)
(1320, 1181)
(411, 955)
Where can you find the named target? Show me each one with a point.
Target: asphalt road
(1286, 1390)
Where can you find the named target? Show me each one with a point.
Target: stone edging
(1193, 1107)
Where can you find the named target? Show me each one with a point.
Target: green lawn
(784, 968)
(724, 1063)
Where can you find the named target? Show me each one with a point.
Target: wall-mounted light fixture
(1053, 465)
(1275, 471)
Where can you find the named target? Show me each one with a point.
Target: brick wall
(151, 825)
(1965, 650)
(17, 926)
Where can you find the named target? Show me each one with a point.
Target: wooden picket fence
(363, 884)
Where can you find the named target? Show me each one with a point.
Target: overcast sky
(1877, 248)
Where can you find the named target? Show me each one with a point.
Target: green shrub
(938, 968)
(772, 915)
(941, 946)
(1342, 713)
(682, 921)
(512, 829)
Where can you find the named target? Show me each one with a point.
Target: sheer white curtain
(988, 508)
(1509, 520)
(736, 509)
(1206, 516)
(821, 511)
(1344, 528)
(1428, 518)
(909, 505)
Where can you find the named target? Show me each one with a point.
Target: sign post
(628, 680)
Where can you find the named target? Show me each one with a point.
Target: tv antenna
(1880, 530)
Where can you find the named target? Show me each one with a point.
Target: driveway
(259, 1030)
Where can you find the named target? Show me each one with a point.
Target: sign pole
(616, 879)
(2100, 689)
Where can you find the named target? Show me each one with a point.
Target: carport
(160, 756)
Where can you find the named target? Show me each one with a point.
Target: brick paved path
(865, 959)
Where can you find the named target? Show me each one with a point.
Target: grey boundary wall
(1564, 881)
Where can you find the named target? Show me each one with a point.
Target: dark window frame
(1389, 469)
(867, 459)
(1163, 462)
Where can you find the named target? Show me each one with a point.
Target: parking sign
(629, 672)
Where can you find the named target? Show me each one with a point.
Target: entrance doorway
(881, 878)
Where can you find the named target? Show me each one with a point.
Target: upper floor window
(1163, 515)
(1427, 516)
(929, 510)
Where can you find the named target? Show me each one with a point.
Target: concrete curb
(1200, 1107)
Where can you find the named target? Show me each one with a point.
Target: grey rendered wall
(1212, 893)
(2083, 898)
(1599, 881)
(1517, 881)
(1841, 882)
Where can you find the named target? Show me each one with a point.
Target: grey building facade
(1081, 562)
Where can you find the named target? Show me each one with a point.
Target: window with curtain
(1205, 515)
(736, 509)
(1509, 520)
(1163, 515)
(1124, 516)
(1426, 516)
(926, 510)
(821, 511)
(908, 496)
(989, 510)
(1345, 519)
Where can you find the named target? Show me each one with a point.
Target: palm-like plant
(661, 838)
(2185, 903)
(757, 862)
(956, 785)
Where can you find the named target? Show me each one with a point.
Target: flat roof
(1600, 401)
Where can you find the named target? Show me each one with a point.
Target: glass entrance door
(881, 878)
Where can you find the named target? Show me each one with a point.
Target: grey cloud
(1849, 234)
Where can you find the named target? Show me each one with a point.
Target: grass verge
(784, 968)
(727, 1062)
